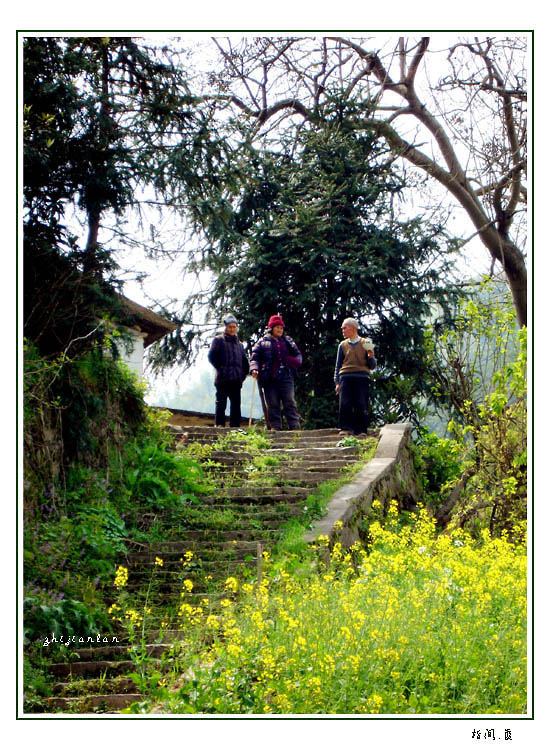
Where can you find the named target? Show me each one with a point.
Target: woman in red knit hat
(274, 362)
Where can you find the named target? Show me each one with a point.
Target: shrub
(46, 613)
(76, 410)
(155, 477)
(438, 464)
(485, 380)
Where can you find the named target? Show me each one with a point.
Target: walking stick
(251, 401)
(264, 407)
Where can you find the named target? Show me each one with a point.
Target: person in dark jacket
(354, 361)
(228, 357)
(274, 361)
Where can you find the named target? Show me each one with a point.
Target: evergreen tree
(105, 119)
(106, 122)
(313, 236)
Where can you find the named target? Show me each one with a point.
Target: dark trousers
(353, 412)
(228, 389)
(279, 392)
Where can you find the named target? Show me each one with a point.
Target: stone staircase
(223, 534)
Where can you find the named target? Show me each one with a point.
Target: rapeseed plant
(121, 577)
(414, 623)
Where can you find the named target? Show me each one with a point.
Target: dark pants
(353, 410)
(277, 392)
(228, 389)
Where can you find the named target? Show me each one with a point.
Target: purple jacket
(269, 353)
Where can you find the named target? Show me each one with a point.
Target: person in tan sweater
(354, 362)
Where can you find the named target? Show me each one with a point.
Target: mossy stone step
(256, 492)
(116, 652)
(224, 535)
(304, 477)
(247, 498)
(312, 450)
(235, 515)
(95, 668)
(175, 559)
(111, 702)
(217, 546)
(93, 686)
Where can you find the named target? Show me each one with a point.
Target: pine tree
(314, 236)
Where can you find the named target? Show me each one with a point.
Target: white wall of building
(131, 352)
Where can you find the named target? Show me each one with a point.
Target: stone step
(212, 535)
(96, 668)
(217, 546)
(277, 444)
(221, 431)
(113, 685)
(307, 478)
(257, 492)
(116, 652)
(235, 500)
(223, 513)
(175, 559)
(287, 456)
(111, 702)
(173, 567)
(315, 451)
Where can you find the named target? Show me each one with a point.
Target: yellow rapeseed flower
(231, 584)
(121, 577)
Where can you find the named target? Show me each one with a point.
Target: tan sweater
(355, 357)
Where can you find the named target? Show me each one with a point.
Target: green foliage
(438, 464)
(105, 119)
(80, 525)
(36, 686)
(76, 409)
(482, 341)
(63, 618)
(251, 440)
(156, 478)
(485, 380)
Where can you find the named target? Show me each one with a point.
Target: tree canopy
(313, 235)
(105, 120)
(469, 119)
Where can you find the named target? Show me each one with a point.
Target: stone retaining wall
(387, 476)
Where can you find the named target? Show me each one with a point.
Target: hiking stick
(251, 401)
(264, 407)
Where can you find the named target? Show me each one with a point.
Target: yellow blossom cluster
(187, 558)
(189, 614)
(415, 623)
(121, 577)
(231, 584)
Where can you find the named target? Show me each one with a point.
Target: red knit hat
(275, 320)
